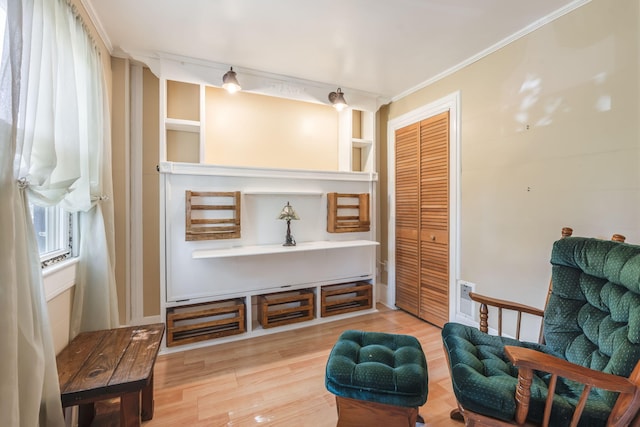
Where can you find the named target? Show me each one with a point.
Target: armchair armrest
(527, 360)
(535, 360)
(500, 304)
(508, 305)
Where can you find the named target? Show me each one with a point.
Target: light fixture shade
(230, 82)
(288, 213)
(337, 99)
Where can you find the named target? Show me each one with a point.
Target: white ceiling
(384, 47)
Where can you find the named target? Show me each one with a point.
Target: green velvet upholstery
(378, 367)
(592, 319)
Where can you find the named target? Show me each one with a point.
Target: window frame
(59, 229)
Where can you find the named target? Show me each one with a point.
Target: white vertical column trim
(136, 278)
(164, 187)
(344, 139)
(127, 188)
(163, 115)
(203, 120)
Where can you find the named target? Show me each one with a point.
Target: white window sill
(59, 277)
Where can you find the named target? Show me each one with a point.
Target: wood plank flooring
(278, 379)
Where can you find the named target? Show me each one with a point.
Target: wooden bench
(111, 363)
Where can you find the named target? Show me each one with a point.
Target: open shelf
(182, 125)
(361, 143)
(281, 193)
(278, 249)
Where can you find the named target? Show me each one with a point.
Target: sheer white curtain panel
(55, 149)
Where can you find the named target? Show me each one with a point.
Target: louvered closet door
(434, 219)
(407, 218)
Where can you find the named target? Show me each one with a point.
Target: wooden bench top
(101, 364)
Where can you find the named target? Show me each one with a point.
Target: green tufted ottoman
(378, 379)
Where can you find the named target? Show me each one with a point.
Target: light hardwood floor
(278, 379)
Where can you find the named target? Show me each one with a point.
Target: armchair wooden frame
(625, 411)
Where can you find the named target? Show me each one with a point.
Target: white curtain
(54, 149)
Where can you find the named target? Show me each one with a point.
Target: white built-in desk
(240, 251)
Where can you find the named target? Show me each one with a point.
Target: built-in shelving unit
(222, 290)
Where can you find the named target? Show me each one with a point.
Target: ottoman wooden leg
(358, 413)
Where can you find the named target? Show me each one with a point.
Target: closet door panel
(434, 219)
(407, 219)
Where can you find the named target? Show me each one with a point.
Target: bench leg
(130, 409)
(86, 414)
(147, 400)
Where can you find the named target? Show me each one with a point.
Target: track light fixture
(337, 99)
(230, 82)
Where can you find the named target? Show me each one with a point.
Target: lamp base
(289, 237)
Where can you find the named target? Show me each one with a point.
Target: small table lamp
(288, 214)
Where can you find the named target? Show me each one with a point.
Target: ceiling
(383, 47)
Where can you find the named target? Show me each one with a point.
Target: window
(54, 230)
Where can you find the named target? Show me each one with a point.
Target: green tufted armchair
(586, 371)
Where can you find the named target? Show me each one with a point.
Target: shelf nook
(212, 215)
(347, 213)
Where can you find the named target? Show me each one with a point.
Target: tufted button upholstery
(378, 367)
(592, 319)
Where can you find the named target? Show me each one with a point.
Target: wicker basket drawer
(198, 322)
(283, 308)
(344, 298)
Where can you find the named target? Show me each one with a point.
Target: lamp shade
(230, 82)
(337, 99)
(288, 213)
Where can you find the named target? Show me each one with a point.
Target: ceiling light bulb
(230, 82)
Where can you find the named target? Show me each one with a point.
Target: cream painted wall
(60, 318)
(245, 129)
(549, 138)
(150, 195)
(119, 160)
